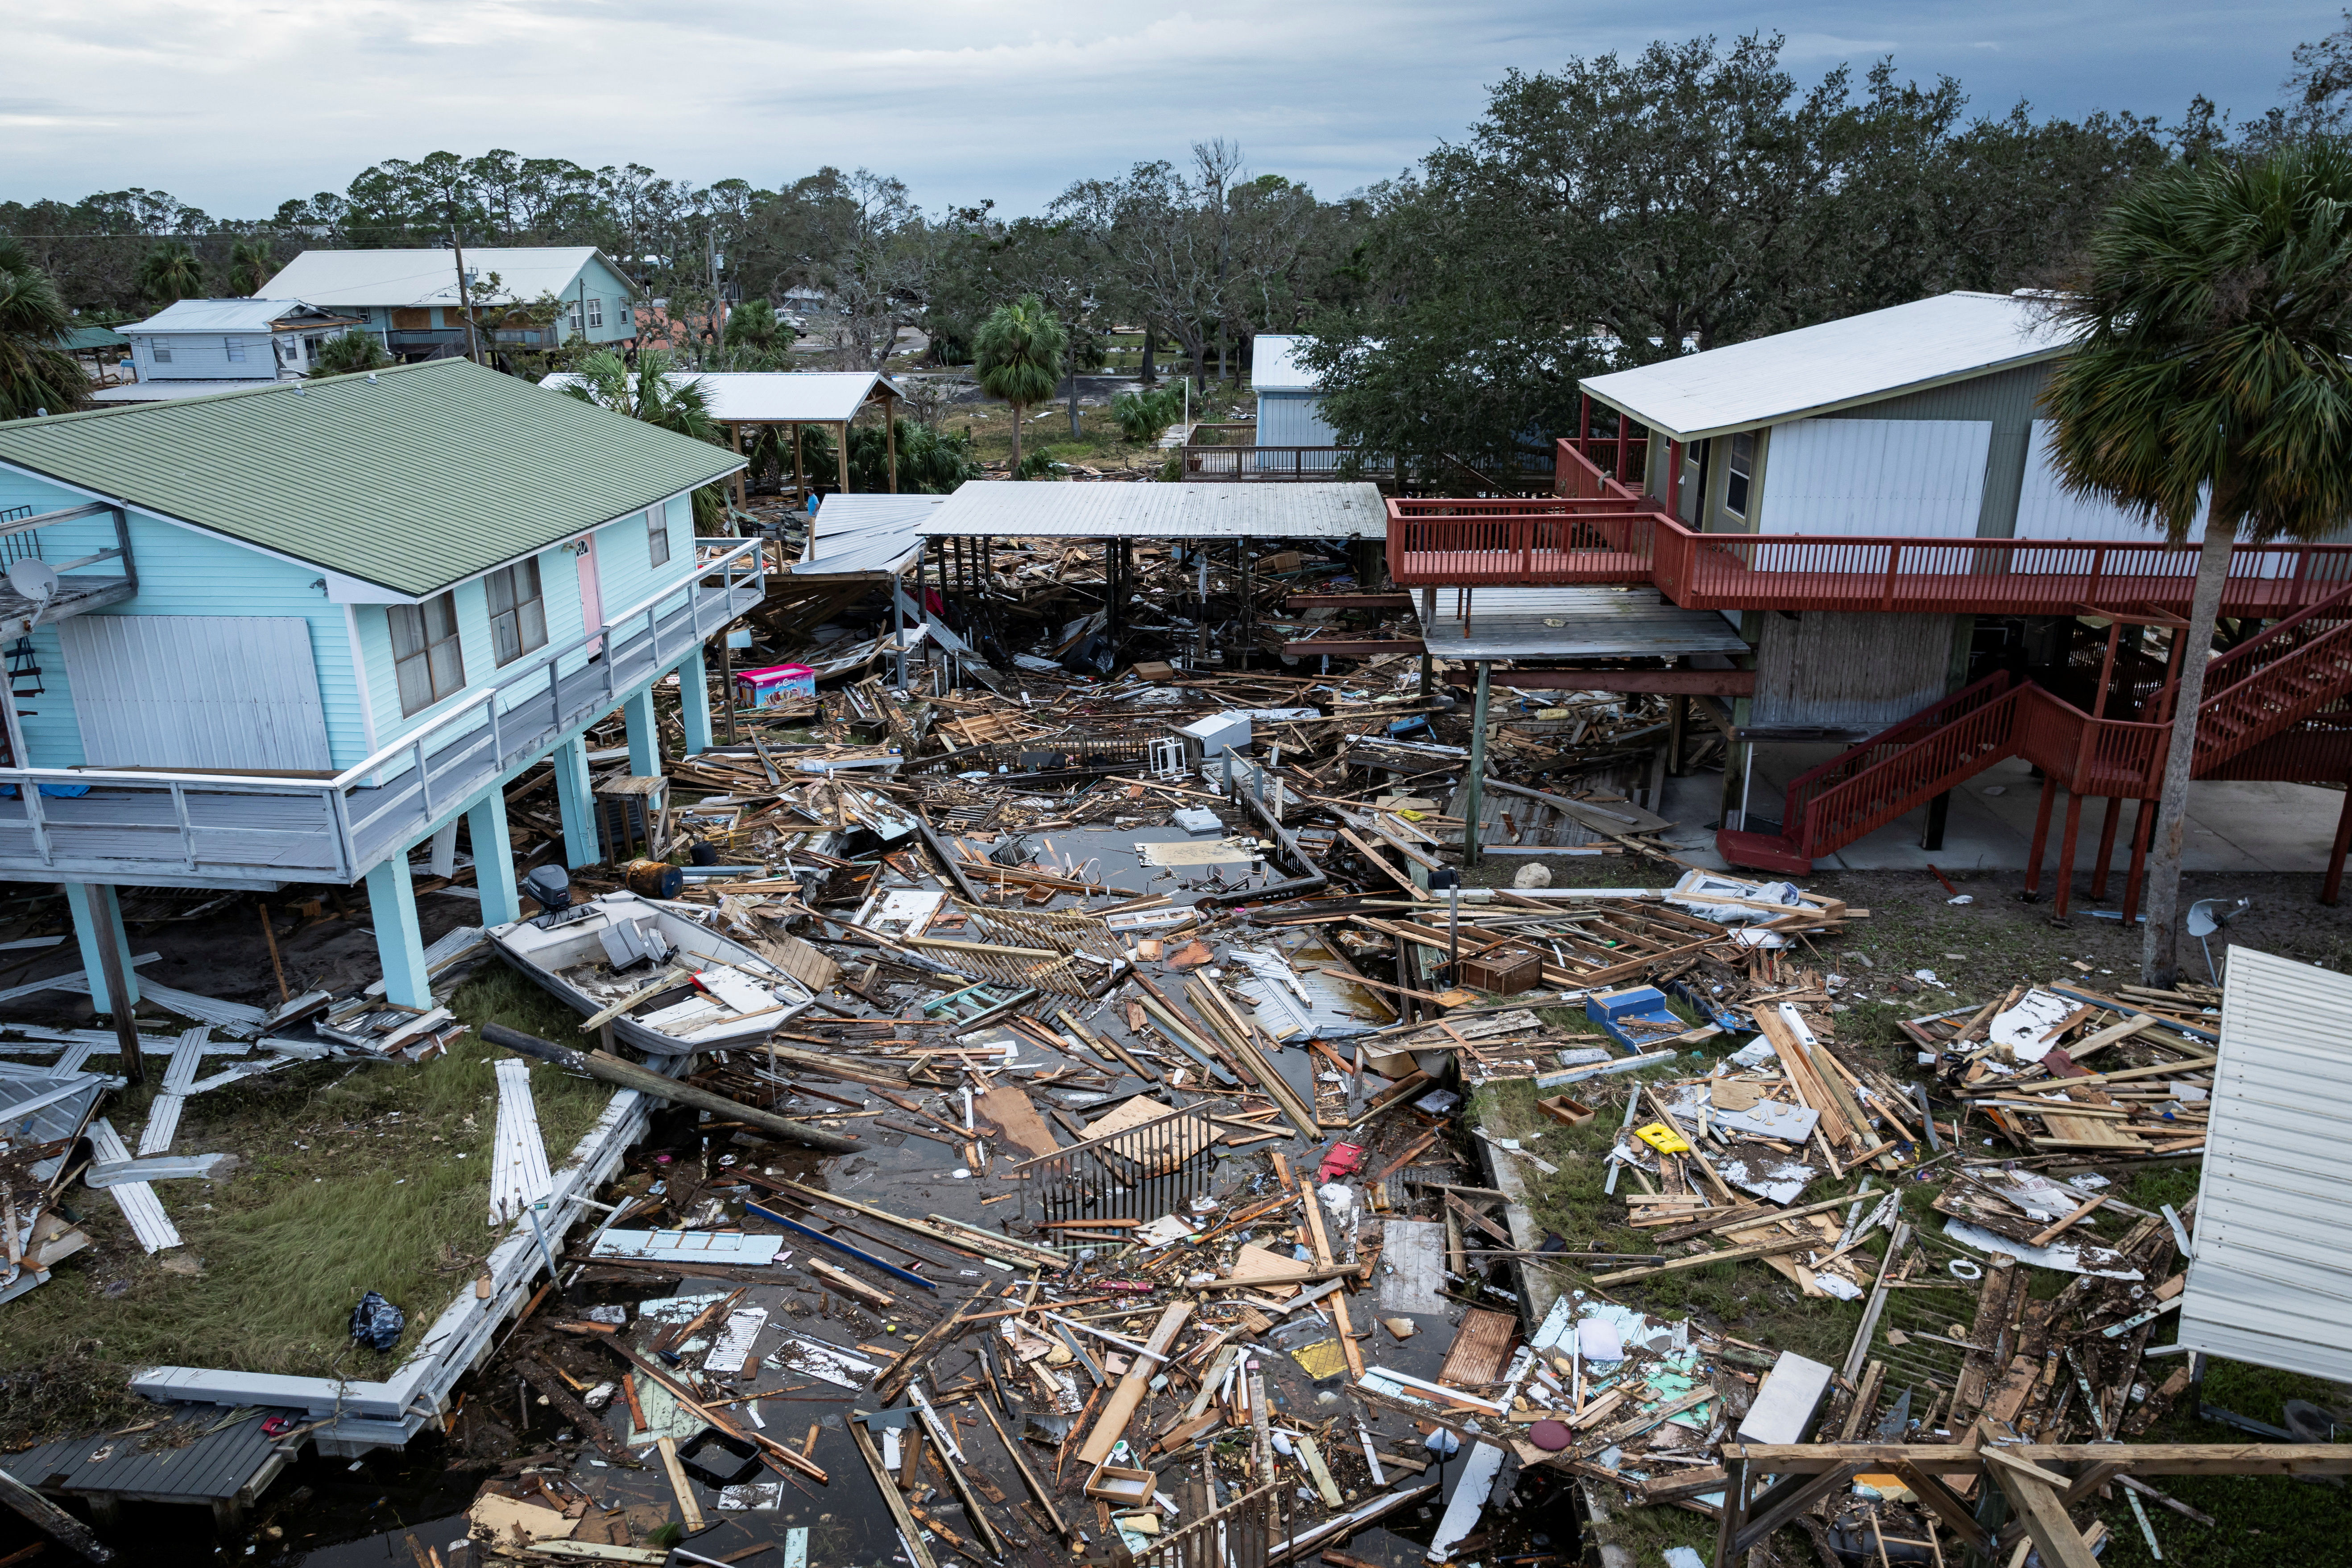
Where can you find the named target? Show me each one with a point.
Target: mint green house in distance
(286, 635)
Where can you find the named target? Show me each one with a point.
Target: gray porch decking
(229, 832)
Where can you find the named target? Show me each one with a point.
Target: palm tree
(753, 325)
(36, 375)
(646, 393)
(348, 355)
(249, 267)
(170, 273)
(2212, 384)
(1017, 353)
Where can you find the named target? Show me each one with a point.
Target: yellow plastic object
(1662, 1138)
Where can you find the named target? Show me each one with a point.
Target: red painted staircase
(2268, 688)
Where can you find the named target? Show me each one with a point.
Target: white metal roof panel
(775, 396)
(866, 533)
(1152, 511)
(1274, 364)
(219, 316)
(1573, 623)
(1836, 365)
(430, 277)
(2270, 1281)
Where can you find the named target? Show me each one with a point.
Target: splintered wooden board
(1480, 1348)
(1253, 1263)
(1010, 1109)
(2089, 1130)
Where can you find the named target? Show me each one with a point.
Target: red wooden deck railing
(1598, 530)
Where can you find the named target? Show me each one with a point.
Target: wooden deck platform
(201, 1456)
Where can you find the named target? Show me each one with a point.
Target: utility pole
(465, 294)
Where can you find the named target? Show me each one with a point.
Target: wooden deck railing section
(1596, 529)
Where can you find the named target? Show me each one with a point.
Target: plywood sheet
(1010, 1109)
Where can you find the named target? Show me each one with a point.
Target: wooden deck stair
(2285, 681)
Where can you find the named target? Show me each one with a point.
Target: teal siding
(183, 572)
(625, 573)
(603, 283)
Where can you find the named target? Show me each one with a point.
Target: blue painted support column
(494, 868)
(399, 941)
(575, 802)
(97, 910)
(694, 701)
(645, 736)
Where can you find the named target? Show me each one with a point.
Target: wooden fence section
(1241, 1534)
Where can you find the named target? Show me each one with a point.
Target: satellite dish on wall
(35, 579)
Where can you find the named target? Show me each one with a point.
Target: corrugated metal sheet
(2044, 509)
(2271, 1280)
(419, 478)
(196, 691)
(1791, 375)
(1273, 363)
(219, 316)
(1860, 672)
(430, 277)
(1910, 477)
(866, 533)
(775, 397)
(1292, 419)
(1573, 623)
(1009, 510)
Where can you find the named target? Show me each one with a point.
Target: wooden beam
(1120, 1407)
(1792, 1495)
(1946, 1504)
(2144, 1459)
(1352, 648)
(2059, 1543)
(1687, 682)
(1298, 602)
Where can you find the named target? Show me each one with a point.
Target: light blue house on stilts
(288, 634)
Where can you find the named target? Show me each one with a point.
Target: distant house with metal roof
(413, 297)
(1289, 397)
(288, 633)
(229, 341)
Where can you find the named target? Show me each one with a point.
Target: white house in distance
(217, 345)
(412, 298)
(1289, 399)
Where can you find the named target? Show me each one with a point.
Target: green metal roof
(85, 338)
(418, 478)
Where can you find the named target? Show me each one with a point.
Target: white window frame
(657, 535)
(162, 350)
(234, 348)
(595, 312)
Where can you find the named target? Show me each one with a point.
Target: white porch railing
(210, 829)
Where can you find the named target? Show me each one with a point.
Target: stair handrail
(2264, 641)
(1851, 762)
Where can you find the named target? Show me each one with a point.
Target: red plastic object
(1342, 1161)
(1552, 1437)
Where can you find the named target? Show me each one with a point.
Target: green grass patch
(351, 1176)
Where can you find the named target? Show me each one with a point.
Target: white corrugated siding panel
(1011, 510)
(1834, 365)
(1273, 363)
(1292, 419)
(1910, 477)
(196, 691)
(2044, 509)
(2270, 1283)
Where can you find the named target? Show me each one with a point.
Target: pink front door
(591, 594)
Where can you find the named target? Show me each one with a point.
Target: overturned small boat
(665, 982)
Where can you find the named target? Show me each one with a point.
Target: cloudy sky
(237, 106)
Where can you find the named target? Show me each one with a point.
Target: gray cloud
(235, 106)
